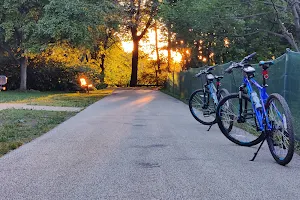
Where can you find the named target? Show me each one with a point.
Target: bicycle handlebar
(205, 71)
(240, 64)
(247, 58)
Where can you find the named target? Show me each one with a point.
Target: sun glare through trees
(148, 46)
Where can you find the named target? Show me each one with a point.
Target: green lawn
(21, 126)
(70, 99)
(55, 98)
(11, 96)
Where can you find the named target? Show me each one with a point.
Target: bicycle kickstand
(255, 154)
(209, 127)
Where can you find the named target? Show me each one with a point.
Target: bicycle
(203, 102)
(268, 115)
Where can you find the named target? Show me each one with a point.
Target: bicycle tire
(222, 93)
(191, 100)
(287, 125)
(253, 139)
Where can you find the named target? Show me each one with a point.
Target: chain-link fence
(284, 78)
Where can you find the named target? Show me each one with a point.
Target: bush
(50, 76)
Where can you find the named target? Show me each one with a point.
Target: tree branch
(10, 53)
(153, 12)
(272, 33)
(245, 17)
(137, 16)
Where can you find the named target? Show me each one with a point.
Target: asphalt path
(142, 144)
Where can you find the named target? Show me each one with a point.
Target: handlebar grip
(197, 75)
(210, 68)
(250, 56)
(228, 70)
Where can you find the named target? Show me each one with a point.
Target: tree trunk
(23, 75)
(135, 59)
(157, 54)
(156, 76)
(103, 55)
(156, 47)
(102, 74)
(195, 53)
(169, 50)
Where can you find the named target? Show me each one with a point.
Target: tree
(138, 17)
(218, 31)
(18, 20)
(103, 42)
(88, 24)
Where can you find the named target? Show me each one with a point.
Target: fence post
(285, 72)
(173, 83)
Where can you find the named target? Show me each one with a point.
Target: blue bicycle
(248, 118)
(203, 102)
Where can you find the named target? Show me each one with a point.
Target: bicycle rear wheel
(222, 93)
(281, 138)
(202, 107)
(242, 133)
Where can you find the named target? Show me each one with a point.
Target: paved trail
(142, 144)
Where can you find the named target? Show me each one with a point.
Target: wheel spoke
(202, 109)
(238, 132)
(280, 142)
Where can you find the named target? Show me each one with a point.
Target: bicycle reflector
(265, 74)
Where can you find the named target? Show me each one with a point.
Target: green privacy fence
(284, 78)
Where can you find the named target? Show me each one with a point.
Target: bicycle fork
(241, 118)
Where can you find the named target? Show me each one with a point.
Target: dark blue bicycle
(248, 118)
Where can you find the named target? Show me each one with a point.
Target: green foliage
(118, 67)
(18, 22)
(50, 75)
(77, 22)
(68, 20)
(212, 21)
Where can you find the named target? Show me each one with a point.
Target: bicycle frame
(212, 90)
(261, 114)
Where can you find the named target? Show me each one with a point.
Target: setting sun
(148, 45)
(127, 47)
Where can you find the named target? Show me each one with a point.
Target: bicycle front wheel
(281, 137)
(202, 107)
(241, 130)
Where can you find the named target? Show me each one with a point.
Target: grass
(57, 99)
(70, 99)
(21, 126)
(12, 96)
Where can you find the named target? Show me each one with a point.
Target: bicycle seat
(210, 77)
(249, 70)
(219, 77)
(270, 62)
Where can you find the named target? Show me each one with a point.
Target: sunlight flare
(148, 46)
